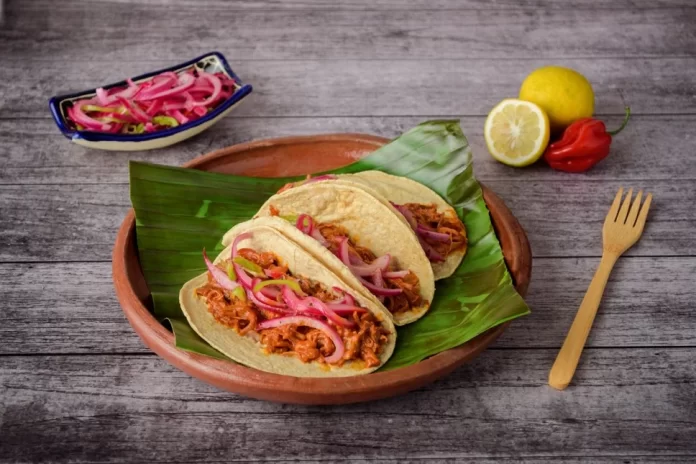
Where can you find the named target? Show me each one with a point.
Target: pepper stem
(625, 121)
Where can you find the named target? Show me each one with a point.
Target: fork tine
(614, 210)
(623, 212)
(635, 207)
(640, 223)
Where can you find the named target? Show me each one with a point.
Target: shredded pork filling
(364, 342)
(410, 296)
(429, 217)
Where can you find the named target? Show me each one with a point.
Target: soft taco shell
(369, 221)
(310, 245)
(245, 349)
(402, 190)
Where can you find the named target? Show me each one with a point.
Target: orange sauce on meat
(364, 342)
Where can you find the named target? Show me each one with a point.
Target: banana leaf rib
(179, 211)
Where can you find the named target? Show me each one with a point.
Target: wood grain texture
(401, 32)
(386, 87)
(649, 302)
(373, 66)
(78, 222)
(387, 5)
(34, 152)
(629, 402)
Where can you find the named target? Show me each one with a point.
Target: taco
(362, 240)
(268, 304)
(440, 232)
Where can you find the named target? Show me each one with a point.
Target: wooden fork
(622, 228)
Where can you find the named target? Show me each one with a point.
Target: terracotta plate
(294, 156)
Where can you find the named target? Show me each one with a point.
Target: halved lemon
(516, 132)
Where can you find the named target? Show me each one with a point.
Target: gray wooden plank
(320, 66)
(34, 151)
(84, 220)
(71, 307)
(563, 218)
(137, 408)
(467, 87)
(393, 5)
(118, 32)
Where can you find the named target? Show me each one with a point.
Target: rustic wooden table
(76, 383)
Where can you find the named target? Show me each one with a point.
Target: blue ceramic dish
(211, 62)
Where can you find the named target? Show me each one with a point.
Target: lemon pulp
(516, 132)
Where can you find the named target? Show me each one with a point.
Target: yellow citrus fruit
(516, 132)
(564, 94)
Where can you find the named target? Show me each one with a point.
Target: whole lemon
(564, 94)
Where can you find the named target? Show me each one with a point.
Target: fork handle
(567, 360)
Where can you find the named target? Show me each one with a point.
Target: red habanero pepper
(584, 143)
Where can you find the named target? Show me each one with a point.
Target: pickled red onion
(339, 347)
(380, 291)
(242, 277)
(380, 264)
(217, 88)
(260, 304)
(185, 96)
(406, 214)
(235, 243)
(316, 303)
(430, 252)
(346, 298)
(269, 301)
(395, 274)
(345, 309)
(431, 234)
(185, 82)
(378, 281)
(316, 235)
(134, 110)
(219, 275)
(79, 116)
(305, 223)
(290, 298)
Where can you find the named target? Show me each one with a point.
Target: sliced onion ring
(292, 300)
(134, 110)
(380, 291)
(345, 297)
(316, 235)
(217, 88)
(219, 275)
(339, 349)
(343, 250)
(305, 223)
(345, 309)
(430, 252)
(330, 314)
(380, 264)
(378, 281)
(406, 213)
(395, 274)
(236, 241)
(269, 301)
(186, 81)
(261, 304)
(81, 118)
(426, 233)
(242, 277)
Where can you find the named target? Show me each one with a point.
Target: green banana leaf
(181, 211)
